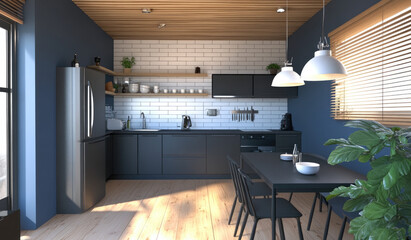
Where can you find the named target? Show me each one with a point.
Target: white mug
(156, 90)
(174, 90)
(191, 90)
(165, 90)
(156, 87)
(183, 90)
(200, 90)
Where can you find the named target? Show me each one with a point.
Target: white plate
(286, 157)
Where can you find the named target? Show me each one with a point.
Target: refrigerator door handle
(88, 110)
(92, 110)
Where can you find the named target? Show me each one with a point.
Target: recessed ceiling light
(161, 25)
(146, 10)
(280, 10)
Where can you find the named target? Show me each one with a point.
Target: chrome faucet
(144, 120)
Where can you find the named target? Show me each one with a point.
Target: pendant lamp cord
(286, 63)
(323, 40)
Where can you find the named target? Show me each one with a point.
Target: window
(5, 114)
(375, 47)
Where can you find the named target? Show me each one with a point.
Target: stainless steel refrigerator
(80, 124)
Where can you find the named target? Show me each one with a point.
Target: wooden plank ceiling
(199, 19)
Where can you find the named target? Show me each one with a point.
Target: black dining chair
(260, 189)
(334, 205)
(261, 208)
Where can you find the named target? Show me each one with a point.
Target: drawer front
(184, 166)
(187, 146)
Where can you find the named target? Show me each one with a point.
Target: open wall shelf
(117, 74)
(158, 94)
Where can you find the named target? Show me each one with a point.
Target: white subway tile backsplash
(213, 56)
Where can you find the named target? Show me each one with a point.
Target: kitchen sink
(143, 130)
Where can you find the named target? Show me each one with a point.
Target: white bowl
(144, 86)
(144, 90)
(307, 168)
(286, 157)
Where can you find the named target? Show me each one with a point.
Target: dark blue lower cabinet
(184, 154)
(150, 154)
(124, 154)
(218, 147)
(182, 165)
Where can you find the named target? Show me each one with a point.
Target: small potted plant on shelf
(127, 63)
(384, 199)
(273, 68)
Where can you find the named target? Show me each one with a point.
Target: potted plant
(273, 68)
(384, 199)
(127, 63)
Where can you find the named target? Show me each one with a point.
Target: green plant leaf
(364, 158)
(340, 191)
(377, 148)
(391, 213)
(406, 132)
(357, 204)
(387, 234)
(392, 176)
(345, 153)
(376, 210)
(364, 138)
(376, 175)
(372, 126)
(409, 230)
(362, 227)
(380, 161)
(400, 167)
(336, 141)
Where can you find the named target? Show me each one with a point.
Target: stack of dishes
(144, 88)
(133, 87)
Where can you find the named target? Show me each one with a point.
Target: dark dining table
(282, 176)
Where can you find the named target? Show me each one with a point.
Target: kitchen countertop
(203, 131)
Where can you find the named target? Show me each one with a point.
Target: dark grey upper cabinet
(218, 147)
(150, 154)
(249, 86)
(263, 89)
(232, 85)
(124, 154)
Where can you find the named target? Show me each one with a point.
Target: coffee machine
(185, 122)
(286, 123)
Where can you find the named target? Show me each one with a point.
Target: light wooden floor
(173, 209)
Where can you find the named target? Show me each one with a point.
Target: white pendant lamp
(287, 77)
(323, 66)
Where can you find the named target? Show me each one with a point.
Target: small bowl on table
(307, 168)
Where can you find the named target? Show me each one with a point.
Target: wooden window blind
(375, 48)
(12, 9)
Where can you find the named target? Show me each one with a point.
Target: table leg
(273, 213)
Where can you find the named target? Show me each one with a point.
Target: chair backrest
(245, 184)
(234, 166)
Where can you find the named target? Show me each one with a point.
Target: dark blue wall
(57, 30)
(311, 110)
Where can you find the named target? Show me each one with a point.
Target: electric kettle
(186, 122)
